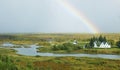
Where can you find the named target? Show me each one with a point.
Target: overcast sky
(46, 16)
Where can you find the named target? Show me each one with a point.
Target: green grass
(90, 51)
(101, 51)
(57, 63)
(7, 51)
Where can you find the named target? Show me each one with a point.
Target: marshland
(11, 60)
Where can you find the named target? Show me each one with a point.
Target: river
(32, 51)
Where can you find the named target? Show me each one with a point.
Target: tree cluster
(66, 46)
(99, 40)
(118, 43)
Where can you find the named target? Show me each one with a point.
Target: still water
(32, 51)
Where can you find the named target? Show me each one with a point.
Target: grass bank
(90, 51)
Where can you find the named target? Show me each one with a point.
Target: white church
(102, 45)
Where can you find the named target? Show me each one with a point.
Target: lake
(32, 51)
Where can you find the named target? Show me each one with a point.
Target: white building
(102, 45)
(75, 42)
(95, 45)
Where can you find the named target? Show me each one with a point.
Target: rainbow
(89, 24)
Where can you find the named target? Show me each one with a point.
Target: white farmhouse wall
(102, 45)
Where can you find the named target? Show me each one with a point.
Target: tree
(104, 39)
(87, 46)
(118, 43)
(100, 38)
(91, 43)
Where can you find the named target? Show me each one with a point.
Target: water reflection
(7, 44)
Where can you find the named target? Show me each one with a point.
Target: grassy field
(13, 61)
(89, 51)
(36, 38)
